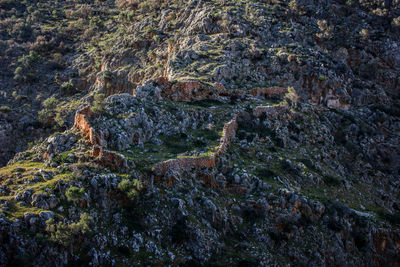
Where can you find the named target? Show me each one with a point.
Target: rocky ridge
(213, 133)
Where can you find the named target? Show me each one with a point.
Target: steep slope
(202, 133)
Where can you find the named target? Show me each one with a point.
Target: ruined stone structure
(272, 92)
(106, 158)
(186, 164)
(82, 124)
(188, 90)
(110, 159)
(180, 165)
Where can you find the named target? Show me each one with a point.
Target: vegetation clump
(67, 88)
(130, 188)
(5, 108)
(75, 194)
(98, 104)
(66, 234)
(48, 112)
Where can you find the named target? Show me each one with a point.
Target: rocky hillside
(203, 132)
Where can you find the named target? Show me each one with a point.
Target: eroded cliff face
(202, 133)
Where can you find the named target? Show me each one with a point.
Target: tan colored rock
(228, 135)
(82, 124)
(189, 90)
(186, 91)
(111, 160)
(112, 85)
(105, 158)
(182, 165)
(163, 82)
(272, 92)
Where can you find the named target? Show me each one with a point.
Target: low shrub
(66, 234)
(5, 109)
(130, 188)
(98, 104)
(75, 194)
(67, 88)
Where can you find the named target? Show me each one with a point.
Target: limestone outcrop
(184, 158)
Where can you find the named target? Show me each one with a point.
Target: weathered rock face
(106, 158)
(109, 83)
(189, 91)
(182, 165)
(272, 92)
(179, 91)
(110, 159)
(82, 124)
(222, 174)
(228, 133)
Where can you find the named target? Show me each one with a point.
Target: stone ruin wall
(182, 165)
(105, 158)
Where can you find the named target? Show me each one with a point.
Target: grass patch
(16, 211)
(22, 165)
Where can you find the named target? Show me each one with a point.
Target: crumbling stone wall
(82, 124)
(272, 92)
(194, 91)
(109, 159)
(188, 90)
(180, 165)
(105, 158)
(186, 164)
